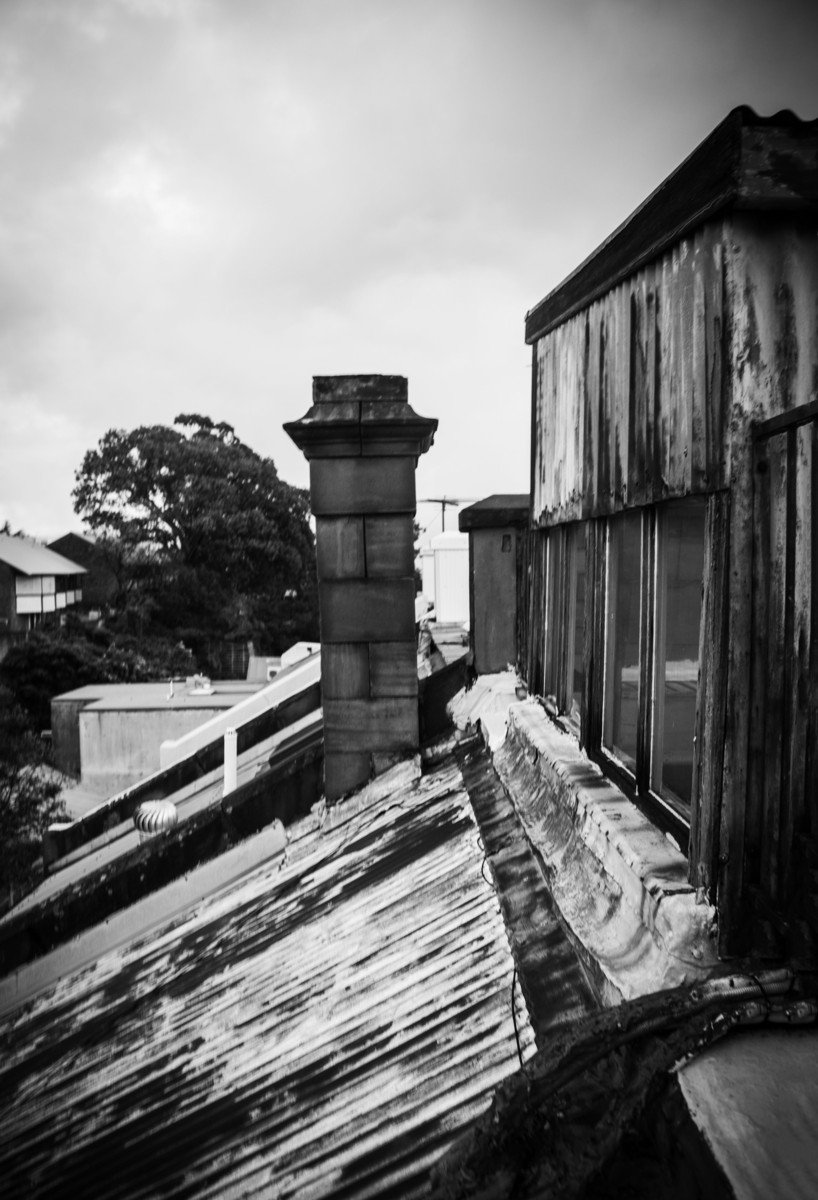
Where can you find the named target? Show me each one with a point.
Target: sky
(204, 203)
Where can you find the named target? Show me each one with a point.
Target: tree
(53, 661)
(29, 803)
(217, 545)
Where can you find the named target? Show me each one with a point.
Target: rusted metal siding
(655, 391)
(325, 1027)
(768, 828)
(780, 856)
(630, 395)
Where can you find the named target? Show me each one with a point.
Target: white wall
(451, 551)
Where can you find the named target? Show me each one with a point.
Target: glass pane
(556, 559)
(622, 637)
(680, 566)
(577, 622)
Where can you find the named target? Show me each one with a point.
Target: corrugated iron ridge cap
(712, 179)
(30, 558)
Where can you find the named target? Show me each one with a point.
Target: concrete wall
(451, 551)
(494, 596)
(118, 747)
(65, 733)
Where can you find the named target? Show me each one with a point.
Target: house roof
(747, 163)
(325, 1025)
(30, 558)
(74, 535)
(106, 853)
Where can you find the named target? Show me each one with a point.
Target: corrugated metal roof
(322, 1027)
(30, 558)
(121, 837)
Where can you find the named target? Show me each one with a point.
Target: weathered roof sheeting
(647, 392)
(630, 403)
(325, 1026)
(30, 558)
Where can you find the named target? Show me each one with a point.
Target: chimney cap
(329, 389)
(361, 415)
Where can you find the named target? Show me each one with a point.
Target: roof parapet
(750, 163)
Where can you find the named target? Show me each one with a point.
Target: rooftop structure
(110, 735)
(363, 440)
(496, 531)
(748, 164)
(670, 573)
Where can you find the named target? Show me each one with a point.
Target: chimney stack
(363, 441)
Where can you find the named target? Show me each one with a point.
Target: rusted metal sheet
(771, 281)
(771, 873)
(630, 397)
(322, 1027)
(656, 364)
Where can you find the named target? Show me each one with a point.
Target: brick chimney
(363, 441)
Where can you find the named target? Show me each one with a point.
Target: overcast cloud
(203, 203)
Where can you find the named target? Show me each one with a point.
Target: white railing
(286, 684)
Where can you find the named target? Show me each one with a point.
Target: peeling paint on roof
(324, 1026)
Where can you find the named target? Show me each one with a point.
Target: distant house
(35, 582)
(100, 585)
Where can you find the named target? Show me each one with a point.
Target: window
(575, 616)
(29, 585)
(622, 638)
(565, 622)
(679, 569)
(620, 646)
(654, 567)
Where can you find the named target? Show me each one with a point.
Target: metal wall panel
(629, 403)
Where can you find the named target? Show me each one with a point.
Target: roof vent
(153, 817)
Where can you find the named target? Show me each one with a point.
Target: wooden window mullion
(646, 649)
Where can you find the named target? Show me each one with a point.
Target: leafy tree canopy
(29, 803)
(218, 545)
(50, 662)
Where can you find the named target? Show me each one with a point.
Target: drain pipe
(230, 761)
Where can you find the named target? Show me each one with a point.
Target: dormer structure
(671, 620)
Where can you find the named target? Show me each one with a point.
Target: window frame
(640, 784)
(562, 545)
(656, 704)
